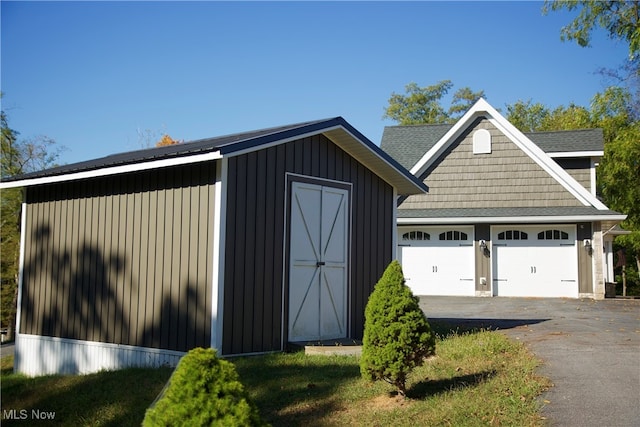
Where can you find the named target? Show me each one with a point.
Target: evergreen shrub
(397, 335)
(203, 391)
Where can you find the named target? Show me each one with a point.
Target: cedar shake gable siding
(506, 177)
(407, 144)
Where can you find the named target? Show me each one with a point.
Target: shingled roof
(407, 144)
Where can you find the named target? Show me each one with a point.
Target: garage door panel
(438, 267)
(542, 264)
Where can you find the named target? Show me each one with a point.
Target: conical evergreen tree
(397, 335)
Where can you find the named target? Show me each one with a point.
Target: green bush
(203, 391)
(397, 336)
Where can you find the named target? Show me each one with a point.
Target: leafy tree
(203, 390)
(527, 116)
(619, 172)
(462, 100)
(531, 117)
(621, 20)
(16, 157)
(397, 336)
(423, 105)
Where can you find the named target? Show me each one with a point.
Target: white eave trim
(511, 219)
(558, 155)
(114, 170)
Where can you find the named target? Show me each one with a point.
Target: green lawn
(476, 378)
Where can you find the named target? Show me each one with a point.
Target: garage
(522, 269)
(437, 260)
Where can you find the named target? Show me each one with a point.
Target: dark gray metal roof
(359, 146)
(505, 212)
(408, 144)
(225, 144)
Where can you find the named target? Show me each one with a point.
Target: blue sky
(106, 77)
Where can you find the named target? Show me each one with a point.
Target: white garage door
(437, 260)
(539, 261)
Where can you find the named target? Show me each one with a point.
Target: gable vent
(482, 142)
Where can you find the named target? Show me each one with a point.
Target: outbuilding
(243, 243)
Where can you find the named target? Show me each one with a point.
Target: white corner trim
(114, 170)
(219, 241)
(23, 239)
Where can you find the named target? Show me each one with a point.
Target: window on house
(453, 235)
(513, 235)
(553, 235)
(416, 235)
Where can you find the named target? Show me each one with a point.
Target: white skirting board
(39, 355)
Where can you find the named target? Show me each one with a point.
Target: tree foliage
(531, 117)
(621, 20)
(423, 105)
(619, 172)
(397, 335)
(16, 157)
(203, 391)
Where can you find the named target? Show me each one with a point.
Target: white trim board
(113, 170)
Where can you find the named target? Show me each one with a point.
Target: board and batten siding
(124, 259)
(256, 251)
(506, 177)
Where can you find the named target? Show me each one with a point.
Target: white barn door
(318, 262)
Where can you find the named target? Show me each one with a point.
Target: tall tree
(16, 157)
(423, 105)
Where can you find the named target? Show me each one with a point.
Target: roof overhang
(558, 155)
(511, 220)
(337, 130)
(112, 170)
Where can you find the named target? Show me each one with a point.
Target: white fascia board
(562, 154)
(510, 219)
(114, 170)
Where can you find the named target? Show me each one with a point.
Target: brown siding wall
(255, 248)
(585, 260)
(483, 258)
(123, 259)
(506, 177)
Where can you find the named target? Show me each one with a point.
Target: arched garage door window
(553, 235)
(453, 235)
(416, 235)
(513, 235)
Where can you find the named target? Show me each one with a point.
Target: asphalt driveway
(590, 350)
